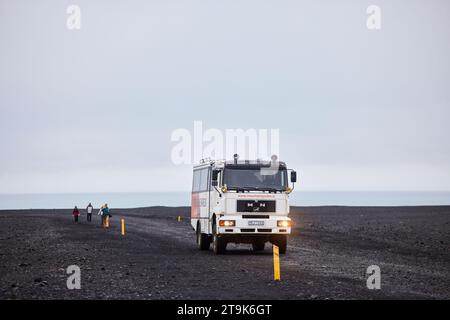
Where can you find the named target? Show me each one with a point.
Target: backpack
(106, 212)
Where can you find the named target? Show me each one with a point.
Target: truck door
(203, 198)
(213, 196)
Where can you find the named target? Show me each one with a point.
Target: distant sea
(174, 199)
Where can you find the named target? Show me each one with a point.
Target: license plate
(255, 223)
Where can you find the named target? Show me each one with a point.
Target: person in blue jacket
(106, 215)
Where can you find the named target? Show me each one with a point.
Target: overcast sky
(93, 110)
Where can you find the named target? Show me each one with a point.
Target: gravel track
(327, 257)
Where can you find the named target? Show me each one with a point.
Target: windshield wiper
(243, 188)
(270, 189)
(248, 188)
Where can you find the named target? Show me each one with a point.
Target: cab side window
(204, 180)
(196, 181)
(200, 181)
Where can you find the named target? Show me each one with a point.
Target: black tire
(281, 243)
(258, 245)
(219, 244)
(203, 241)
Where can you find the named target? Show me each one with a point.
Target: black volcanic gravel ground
(327, 257)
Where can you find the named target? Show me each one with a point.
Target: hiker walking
(89, 209)
(75, 213)
(105, 215)
(100, 213)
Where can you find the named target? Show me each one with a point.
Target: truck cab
(241, 202)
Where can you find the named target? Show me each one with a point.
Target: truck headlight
(227, 223)
(284, 223)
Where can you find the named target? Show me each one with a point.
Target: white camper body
(241, 202)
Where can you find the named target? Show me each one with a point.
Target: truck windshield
(254, 179)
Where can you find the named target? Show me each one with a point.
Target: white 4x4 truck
(241, 202)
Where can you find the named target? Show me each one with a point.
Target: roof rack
(205, 160)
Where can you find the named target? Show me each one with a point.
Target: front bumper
(255, 226)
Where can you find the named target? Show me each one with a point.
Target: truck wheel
(202, 239)
(281, 243)
(219, 244)
(258, 246)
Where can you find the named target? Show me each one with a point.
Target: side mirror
(215, 175)
(293, 176)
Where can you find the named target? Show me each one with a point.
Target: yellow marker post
(123, 226)
(276, 263)
(179, 218)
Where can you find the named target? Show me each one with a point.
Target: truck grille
(256, 206)
(252, 216)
